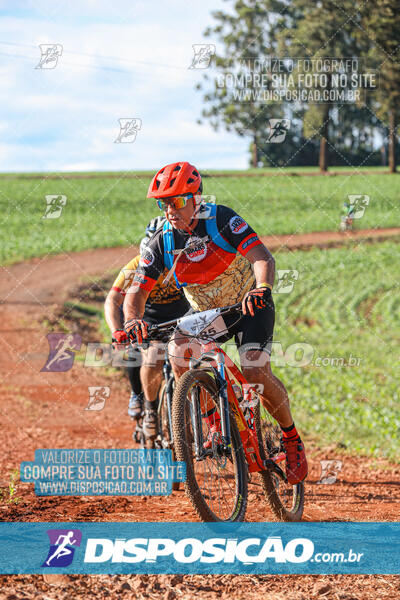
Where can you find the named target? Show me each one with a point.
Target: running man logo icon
(50, 53)
(203, 210)
(63, 347)
(54, 206)
(278, 130)
(286, 280)
(97, 397)
(357, 205)
(203, 54)
(62, 542)
(128, 129)
(329, 471)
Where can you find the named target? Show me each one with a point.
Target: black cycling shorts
(250, 333)
(154, 314)
(253, 333)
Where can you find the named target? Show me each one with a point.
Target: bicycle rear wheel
(216, 483)
(285, 500)
(164, 439)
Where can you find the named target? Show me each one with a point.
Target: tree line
(252, 35)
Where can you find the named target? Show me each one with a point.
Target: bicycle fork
(223, 402)
(224, 446)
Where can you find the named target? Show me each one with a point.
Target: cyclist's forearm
(112, 311)
(263, 264)
(264, 272)
(134, 304)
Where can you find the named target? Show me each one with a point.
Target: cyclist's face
(181, 217)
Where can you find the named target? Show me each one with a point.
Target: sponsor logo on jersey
(249, 241)
(147, 258)
(141, 279)
(237, 224)
(196, 249)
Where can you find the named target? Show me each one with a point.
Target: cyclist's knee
(181, 349)
(255, 358)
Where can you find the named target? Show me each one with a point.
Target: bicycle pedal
(280, 457)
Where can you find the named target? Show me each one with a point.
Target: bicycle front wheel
(164, 439)
(216, 482)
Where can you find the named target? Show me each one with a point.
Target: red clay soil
(327, 239)
(47, 410)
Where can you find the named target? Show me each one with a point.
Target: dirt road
(47, 410)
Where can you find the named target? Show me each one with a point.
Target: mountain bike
(249, 442)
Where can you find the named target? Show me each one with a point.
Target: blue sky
(120, 59)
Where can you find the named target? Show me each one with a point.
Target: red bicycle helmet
(174, 180)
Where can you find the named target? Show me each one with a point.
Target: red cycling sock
(289, 433)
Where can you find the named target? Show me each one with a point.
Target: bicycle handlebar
(153, 330)
(171, 324)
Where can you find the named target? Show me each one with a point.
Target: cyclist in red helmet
(218, 259)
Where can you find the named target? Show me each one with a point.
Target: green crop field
(111, 210)
(344, 314)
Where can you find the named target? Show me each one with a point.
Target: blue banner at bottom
(200, 548)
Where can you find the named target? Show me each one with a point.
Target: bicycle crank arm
(271, 465)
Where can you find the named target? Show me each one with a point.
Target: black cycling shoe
(150, 423)
(135, 405)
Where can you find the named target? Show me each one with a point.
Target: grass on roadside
(8, 494)
(105, 212)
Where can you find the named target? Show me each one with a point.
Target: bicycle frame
(225, 370)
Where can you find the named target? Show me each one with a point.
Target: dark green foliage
(343, 133)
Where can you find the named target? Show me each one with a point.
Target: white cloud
(121, 60)
(80, 166)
